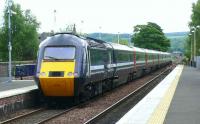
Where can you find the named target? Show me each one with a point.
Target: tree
(150, 36)
(24, 35)
(195, 21)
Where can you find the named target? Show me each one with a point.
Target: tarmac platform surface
(16, 84)
(16, 87)
(185, 105)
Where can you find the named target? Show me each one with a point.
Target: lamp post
(54, 20)
(130, 36)
(99, 32)
(195, 42)
(191, 49)
(9, 4)
(129, 40)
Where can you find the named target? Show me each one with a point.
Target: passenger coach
(72, 66)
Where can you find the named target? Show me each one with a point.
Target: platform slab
(17, 95)
(15, 84)
(16, 87)
(185, 106)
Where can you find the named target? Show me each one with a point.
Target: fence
(19, 68)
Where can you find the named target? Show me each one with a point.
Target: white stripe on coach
(96, 67)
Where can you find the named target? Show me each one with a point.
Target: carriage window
(155, 56)
(140, 56)
(59, 53)
(131, 57)
(98, 57)
(123, 56)
(150, 55)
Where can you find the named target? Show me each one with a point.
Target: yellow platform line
(160, 112)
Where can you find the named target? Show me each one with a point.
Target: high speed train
(69, 65)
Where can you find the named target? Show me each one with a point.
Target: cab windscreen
(59, 53)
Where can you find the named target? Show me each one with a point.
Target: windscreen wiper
(51, 57)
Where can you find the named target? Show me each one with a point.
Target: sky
(108, 16)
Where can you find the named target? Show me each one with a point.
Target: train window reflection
(59, 53)
(97, 57)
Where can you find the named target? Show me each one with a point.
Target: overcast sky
(111, 15)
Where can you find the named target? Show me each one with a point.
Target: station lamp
(194, 29)
(10, 12)
(190, 48)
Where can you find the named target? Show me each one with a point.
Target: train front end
(57, 71)
(56, 68)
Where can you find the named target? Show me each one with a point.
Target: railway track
(117, 110)
(38, 116)
(21, 116)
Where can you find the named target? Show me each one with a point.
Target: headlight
(70, 74)
(41, 74)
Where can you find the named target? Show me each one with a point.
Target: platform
(174, 101)
(185, 106)
(16, 87)
(16, 95)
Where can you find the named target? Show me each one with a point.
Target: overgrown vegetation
(194, 23)
(24, 35)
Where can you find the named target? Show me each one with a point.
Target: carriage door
(110, 67)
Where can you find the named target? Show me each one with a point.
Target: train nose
(57, 86)
(57, 78)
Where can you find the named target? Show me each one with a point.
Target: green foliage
(195, 14)
(24, 35)
(195, 21)
(150, 36)
(124, 42)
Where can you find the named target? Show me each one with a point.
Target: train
(72, 66)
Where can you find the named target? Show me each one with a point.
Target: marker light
(70, 74)
(42, 74)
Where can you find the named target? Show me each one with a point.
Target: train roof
(63, 39)
(120, 47)
(137, 49)
(92, 42)
(166, 53)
